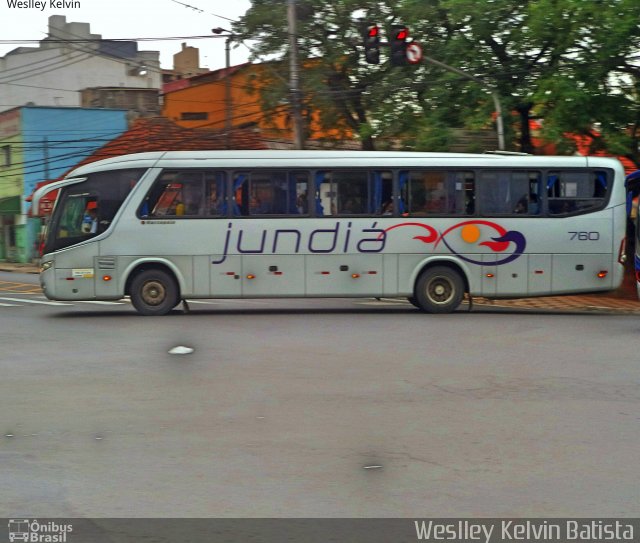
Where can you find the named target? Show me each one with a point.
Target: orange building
(201, 102)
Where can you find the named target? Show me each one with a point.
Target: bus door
(77, 222)
(633, 224)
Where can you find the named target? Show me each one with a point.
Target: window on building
(194, 116)
(5, 155)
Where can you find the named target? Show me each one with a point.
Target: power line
(202, 11)
(101, 40)
(38, 166)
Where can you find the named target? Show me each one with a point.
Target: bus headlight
(46, 265)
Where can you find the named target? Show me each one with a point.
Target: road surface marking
(98, 302)
(32, 301)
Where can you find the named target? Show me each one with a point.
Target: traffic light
(398, 42)
(372, 44)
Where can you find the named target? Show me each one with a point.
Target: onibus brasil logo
(38, 532)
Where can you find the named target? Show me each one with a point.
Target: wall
(51, 141)
(206, 97)
(53, 74)
(10, 181)
(140, 102)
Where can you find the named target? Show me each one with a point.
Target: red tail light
(622, 253)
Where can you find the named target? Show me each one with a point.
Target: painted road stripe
(32, 301)
(123, 302)
(9, 305)
(98, 302)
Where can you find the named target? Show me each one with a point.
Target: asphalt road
(316, 408)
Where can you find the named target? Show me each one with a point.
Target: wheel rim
(440, 290)
(153, 293)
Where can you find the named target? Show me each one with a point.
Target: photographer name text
(41, 5)
(509, 530)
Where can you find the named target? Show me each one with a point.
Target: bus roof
(333, 159)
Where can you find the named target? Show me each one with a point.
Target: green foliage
(574, 63)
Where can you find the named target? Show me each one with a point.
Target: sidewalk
(18, 267)
(623, 300)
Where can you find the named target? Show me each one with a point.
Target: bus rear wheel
(154, 292)
(439, 290)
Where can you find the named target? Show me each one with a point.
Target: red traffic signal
(402, 34)
(372, 44)
(399, 34)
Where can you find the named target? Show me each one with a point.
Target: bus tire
(439, 289)
(154, 292)
(412, 300)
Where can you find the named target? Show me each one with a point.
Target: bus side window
(576, 191)
(351, 194)
(216, 191)
(324, 194)
(436, 192)
(191, 197)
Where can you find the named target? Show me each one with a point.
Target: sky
(132, 19)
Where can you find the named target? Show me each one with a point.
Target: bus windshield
(86, 209)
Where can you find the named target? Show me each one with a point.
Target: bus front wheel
(439, 290)
(154, 292)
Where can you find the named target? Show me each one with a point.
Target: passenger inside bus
(90, 219)
(215, 203)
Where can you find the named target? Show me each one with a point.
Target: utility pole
(227, 92)
(294, 77)
(228, 104)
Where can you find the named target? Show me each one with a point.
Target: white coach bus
(168, 226)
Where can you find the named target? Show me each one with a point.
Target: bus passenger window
(438, 192)
(576, 191)
(175, 194)
(509, 192)
(266, 192)
(217, 194)
(192, 197)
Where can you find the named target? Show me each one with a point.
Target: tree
(596, 89)
(337, 83)
(574, 63)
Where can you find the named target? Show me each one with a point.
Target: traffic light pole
(492, 91)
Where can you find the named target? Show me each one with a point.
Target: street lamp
(227, 83)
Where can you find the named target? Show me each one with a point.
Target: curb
(18, 269)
